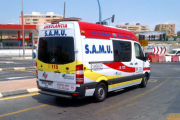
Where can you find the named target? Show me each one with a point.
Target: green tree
(167, 36)
(175, 37)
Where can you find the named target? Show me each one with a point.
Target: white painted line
(12, 78)
(33, 90)
(19, 68)
(9, 62)
(0, 95)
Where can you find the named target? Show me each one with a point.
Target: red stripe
(165, 50)
(147, 68)
(120, 67)
(102, 32)
(161, 50)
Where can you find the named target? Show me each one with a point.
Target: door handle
(136, 63)
(131, 63)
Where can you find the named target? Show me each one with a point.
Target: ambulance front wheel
(144, 82)
(100, 92)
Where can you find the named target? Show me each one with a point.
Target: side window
(138, 51)
(178, 52)
(122, 51)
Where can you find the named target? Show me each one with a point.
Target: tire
(144, 82)
(100, 92)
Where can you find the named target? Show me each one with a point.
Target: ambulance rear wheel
(144, 82)
(100, 92)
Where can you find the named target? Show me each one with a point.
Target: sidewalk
(16, 87)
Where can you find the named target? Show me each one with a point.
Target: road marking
(19, 68)
(13, 78)
(175, 116)
(3, 115)
(28, 71)
(19, 96)
(132, 104)
(152, 80)
(164, 77)
(131, 98)
(177, 82)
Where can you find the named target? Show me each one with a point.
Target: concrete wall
(173, 47)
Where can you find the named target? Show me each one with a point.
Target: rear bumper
(80, 91)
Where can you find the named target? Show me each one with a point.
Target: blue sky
(149, 12)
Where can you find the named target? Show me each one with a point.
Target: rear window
(56, 50)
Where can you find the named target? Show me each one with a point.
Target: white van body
(78, 59)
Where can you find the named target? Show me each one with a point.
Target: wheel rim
(101, 92)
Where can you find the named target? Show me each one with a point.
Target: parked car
(175, 52)
(151, 54)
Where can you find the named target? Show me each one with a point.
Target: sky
(145, 12)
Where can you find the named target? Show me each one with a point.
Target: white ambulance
(78, 59)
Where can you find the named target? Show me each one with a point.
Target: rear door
(56, 58)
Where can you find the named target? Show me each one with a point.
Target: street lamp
(99, 11)
(22, 18)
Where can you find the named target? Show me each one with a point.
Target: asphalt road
(17, 62)
(158, 101)
(17, 75)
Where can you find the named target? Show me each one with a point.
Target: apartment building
(169, 28)
(134, 28)
(38, 19)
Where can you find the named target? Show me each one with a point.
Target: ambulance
(78, 59)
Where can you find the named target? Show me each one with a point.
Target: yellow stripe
(3, 115)
(123, 83)
(98, 112)
(18, 96)
(72, 70)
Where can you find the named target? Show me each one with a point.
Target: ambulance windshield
(56, 50)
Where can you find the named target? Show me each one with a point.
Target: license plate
(66, 87)
(46, 83)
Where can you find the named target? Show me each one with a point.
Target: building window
(28, 19)
(35, 22)
(35, 19)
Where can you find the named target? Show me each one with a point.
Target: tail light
(79, 74)
(36, 71)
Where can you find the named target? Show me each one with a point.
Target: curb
(18, 92)
(17, 68)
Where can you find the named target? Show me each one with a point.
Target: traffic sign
(143, 42)
(19, 42)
